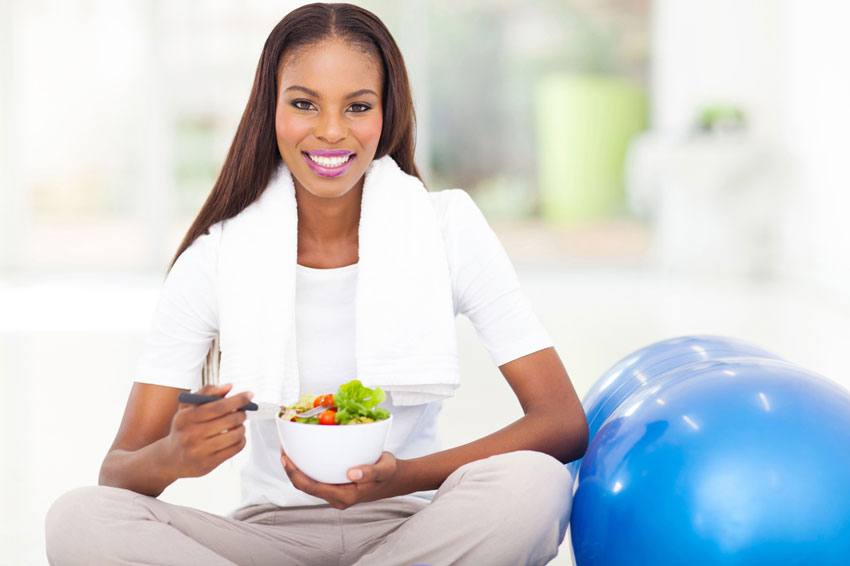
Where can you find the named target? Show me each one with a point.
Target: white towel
(405, 331)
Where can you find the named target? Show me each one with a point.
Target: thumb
(379, 471)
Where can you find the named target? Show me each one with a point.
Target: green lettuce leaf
(356, 403)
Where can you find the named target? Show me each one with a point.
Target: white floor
(67, 347)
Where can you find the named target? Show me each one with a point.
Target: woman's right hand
(204, 436)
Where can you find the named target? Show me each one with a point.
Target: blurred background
(654, 168)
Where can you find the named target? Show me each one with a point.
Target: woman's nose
(330, 128)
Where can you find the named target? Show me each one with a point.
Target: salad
(353, 403)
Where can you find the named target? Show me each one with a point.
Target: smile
(329, 163)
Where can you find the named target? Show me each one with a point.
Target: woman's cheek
(369, 131)
(290, 130)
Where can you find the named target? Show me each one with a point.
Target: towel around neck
(405, 330)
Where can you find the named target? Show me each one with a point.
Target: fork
(260, 410)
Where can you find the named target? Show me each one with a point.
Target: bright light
(690, 422)
(699, 350)
(764, 402)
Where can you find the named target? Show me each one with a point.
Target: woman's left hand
(368, 482)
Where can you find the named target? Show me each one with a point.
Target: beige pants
(507, 509)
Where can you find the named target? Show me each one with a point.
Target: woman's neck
(328, 228)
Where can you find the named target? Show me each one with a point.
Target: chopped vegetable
(324, 400)
(328, 417)
(305, 403)
(311, 420)
(353, 403)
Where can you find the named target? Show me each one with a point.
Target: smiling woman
(327, 131)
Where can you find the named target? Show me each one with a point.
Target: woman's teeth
(329, 161)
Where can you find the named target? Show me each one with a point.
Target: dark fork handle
(198, 399)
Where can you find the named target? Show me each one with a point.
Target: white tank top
(324, 322)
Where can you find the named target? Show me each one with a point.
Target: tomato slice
(326, 400)
(328, 417)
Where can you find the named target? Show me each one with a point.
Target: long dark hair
(253, 155)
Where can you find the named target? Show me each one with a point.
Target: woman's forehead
(332, 68)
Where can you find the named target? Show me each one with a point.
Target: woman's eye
(297, 104)
(306, 105)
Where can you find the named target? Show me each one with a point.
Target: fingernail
(355, 475)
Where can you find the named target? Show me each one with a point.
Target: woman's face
(329, 115)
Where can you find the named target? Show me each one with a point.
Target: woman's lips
(323, 171)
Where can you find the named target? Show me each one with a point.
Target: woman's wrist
(148, 470)
(411, 476)
(165, 462)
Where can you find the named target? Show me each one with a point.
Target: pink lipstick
(332, 162)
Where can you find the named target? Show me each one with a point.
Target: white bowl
(327, 452)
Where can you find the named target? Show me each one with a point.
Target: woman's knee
(531, 492)
(524, 479)
(77, 517)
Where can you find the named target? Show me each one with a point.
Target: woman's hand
(204, 436)
(369, 483)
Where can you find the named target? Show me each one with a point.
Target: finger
(226, 422)
(298, 478)
(338, 495)
(225, 439)
(379, 471)
(215, 409)
(230, 451)
(288, 466)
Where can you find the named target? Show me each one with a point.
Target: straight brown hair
(253, 155)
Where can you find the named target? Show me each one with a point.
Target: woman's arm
(554, 423)
(160, 441)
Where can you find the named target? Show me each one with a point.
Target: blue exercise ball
(640, 369)
(741, 461)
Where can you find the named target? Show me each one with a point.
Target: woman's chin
(328, 187)
(327, 192)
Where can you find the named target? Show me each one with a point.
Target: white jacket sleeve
(185, 320)
(485, 285)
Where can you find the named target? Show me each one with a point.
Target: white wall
(785, 63)
(724, 51)
(817, 82)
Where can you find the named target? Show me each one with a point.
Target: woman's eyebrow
(361, 92)
(315, 94)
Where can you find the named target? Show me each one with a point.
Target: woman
(330, 97)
